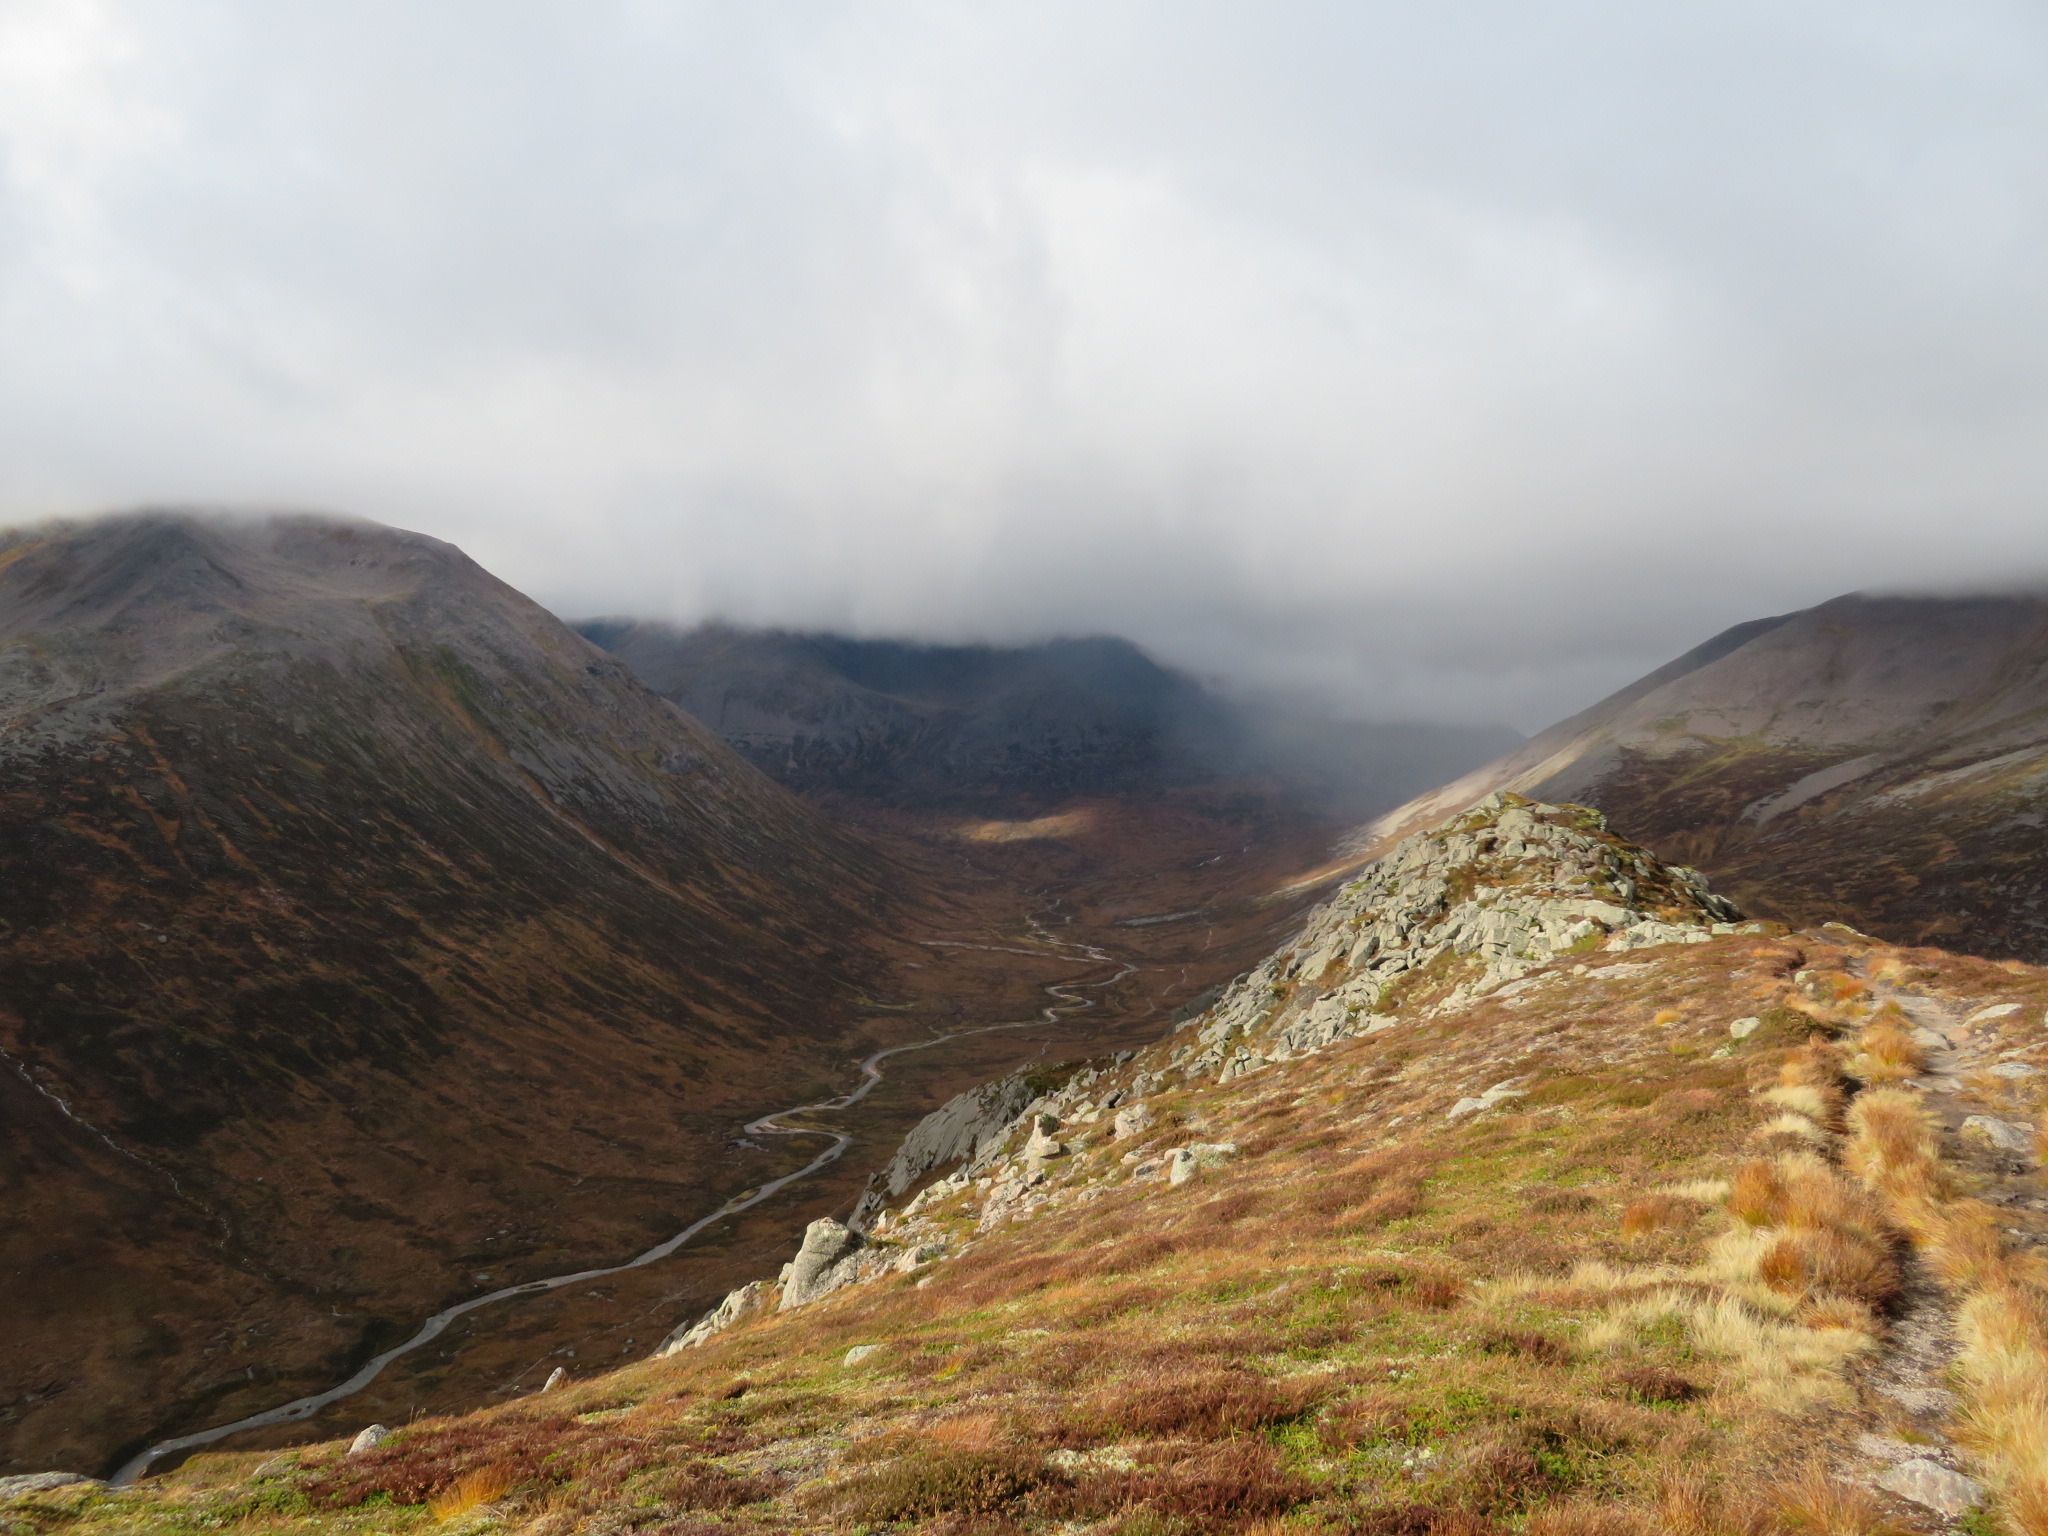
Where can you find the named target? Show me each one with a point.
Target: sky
(1457, 361)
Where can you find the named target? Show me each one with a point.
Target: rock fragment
(368, 1439)
(1930, 1483)
(2001, 1135)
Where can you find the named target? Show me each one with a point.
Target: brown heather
(1591, 1311)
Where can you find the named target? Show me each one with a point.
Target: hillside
(368, 936)
(1529, 1188)
(1014, 728)
(1879, 760)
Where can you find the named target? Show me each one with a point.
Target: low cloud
(1458, 362)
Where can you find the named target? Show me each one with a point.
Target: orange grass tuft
(471, 1491)
(1757, 1196)
(1654, 1212)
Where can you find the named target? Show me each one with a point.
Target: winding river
(1068, 997)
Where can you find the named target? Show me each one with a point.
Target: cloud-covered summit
(1463, 359)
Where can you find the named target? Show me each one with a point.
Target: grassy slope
(1373, 1318)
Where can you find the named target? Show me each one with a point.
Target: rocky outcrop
(750, 1299)
(959, 1130)
(1449, 916)
(1469, 912)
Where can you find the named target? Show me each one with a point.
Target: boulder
(1132, 1120)
(825, 1243)
(1742, 1029)
(2001, 1135)
(556, 1377)
(1183, 1163)
(368, 1439)
(1930, 1483)
(860, 1352)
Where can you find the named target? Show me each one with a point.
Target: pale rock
(2002, 1135)
(1132, 1120)
(1499, 1093)
(1928, 1482)
(860, 1352)
(1742, 1029)
(368, 1439)
(2013, 1070)
(556, 1377)
(825, 1242)
(1183, 1163)
(742, 1303)
(1995, 1011)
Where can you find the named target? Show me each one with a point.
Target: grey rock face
(742, 1303)
(808, 1274)
(1930, 1483)
(956, 1131)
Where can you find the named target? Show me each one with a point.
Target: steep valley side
(370, 942)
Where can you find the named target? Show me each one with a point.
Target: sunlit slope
(1590, 1209)
(364, 929)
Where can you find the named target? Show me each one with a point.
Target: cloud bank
(1458, 360)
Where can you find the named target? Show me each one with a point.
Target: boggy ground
(1673, 1287)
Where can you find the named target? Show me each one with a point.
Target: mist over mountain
(1019, 727)
(1877, 759)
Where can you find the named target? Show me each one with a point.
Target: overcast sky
(1461, 359)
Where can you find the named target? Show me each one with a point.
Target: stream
(1068, 997)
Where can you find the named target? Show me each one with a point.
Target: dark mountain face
(1879, 760)
(987, 727)
(960, 726)
(359, 923)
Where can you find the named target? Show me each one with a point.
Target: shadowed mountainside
(1881, 760)
(360, 927)
(1018, 727)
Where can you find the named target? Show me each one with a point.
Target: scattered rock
(556, 1377)
(368, 1440)
(965, 1127)
(744, 1302)
(42, 1482)
(1930, 1483)
(276, 1467)
(2014, 1070)
(2003, 1135)
(1742, 1029)
(1497, 1094)
(1184, 1162)
(1132, 1120)
(860, 1352)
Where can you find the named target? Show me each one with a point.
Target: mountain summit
(357, 915)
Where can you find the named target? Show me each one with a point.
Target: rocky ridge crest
(1487, 905)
